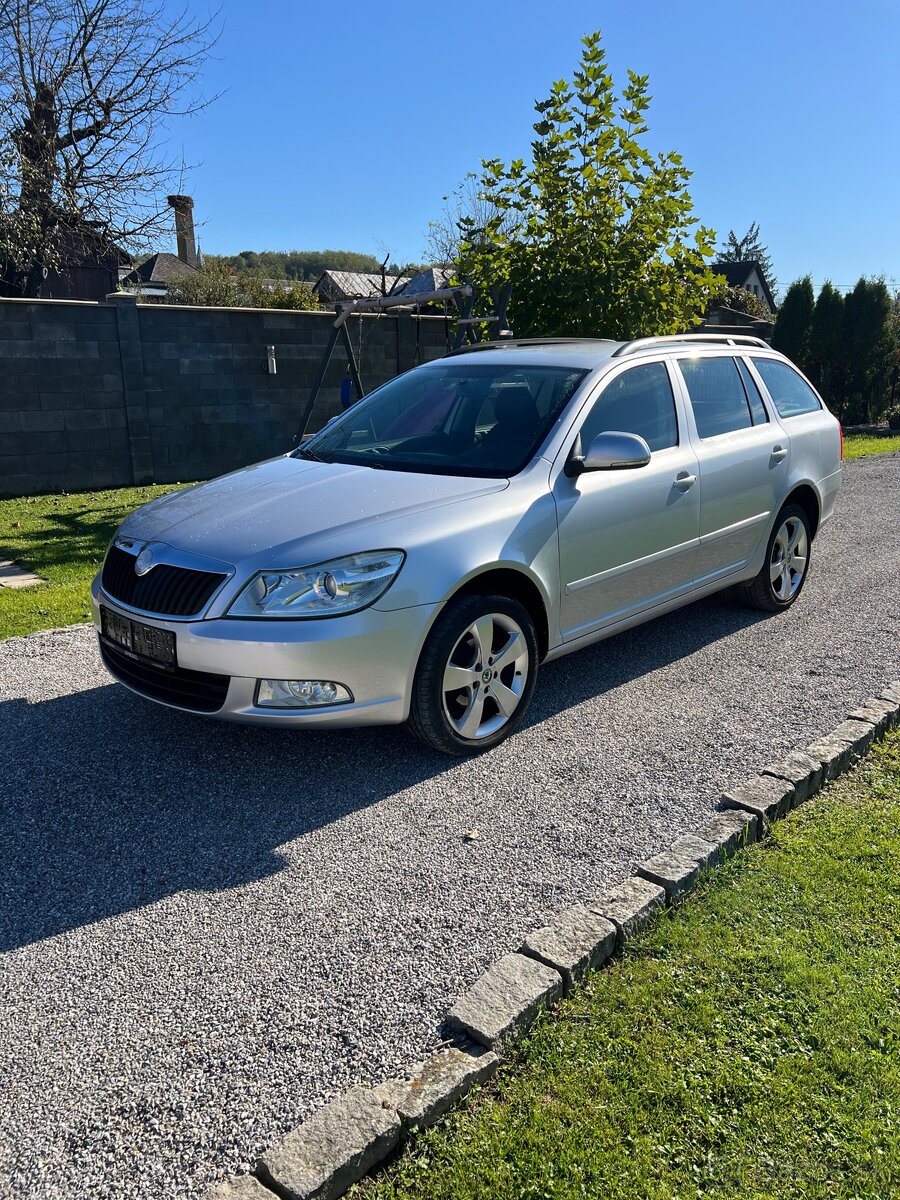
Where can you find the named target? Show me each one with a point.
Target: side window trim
(741, 361)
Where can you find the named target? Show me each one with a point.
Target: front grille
(166, 590)
(196, 690)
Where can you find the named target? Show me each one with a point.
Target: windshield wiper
(310, 455)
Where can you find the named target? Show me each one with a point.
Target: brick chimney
(184, 229)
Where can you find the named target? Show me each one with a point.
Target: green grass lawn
(747, 1046)
(63, 539)
(857, 445)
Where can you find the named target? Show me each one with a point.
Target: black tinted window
(637, 401)
(456, 417)
(790, 394)
(757, 408)
(717, 395)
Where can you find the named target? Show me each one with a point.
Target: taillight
(841, 432)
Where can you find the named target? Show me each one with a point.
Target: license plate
(138, 640)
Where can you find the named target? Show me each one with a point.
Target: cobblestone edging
(339, 1144)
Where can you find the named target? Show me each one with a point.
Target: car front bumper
(373, 653)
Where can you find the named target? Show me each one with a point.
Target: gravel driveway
(208, 930)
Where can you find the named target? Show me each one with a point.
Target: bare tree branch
(87, 91)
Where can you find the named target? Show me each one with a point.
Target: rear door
(628, 538)
(743, 455)
(814, 432)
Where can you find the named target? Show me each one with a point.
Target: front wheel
(786, 564)
(476, 675)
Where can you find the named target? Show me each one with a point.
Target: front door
(628, 538)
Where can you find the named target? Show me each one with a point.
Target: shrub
(216, 286)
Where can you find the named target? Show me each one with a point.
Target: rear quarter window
(790, 393)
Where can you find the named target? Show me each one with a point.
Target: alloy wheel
(485, 676)
(790, 555)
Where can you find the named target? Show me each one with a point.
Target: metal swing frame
(463, 296)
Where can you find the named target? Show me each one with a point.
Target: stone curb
(332, 1149)
(766, 796)
(342, 1142)
(504, 1002)
(576, 941)
(432, 1087)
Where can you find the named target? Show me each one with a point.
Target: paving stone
(241, 1187)
(841, 748)
(630, 905)
(704, 852)
(14, 576)
(332, 1149)
(769, 798)
(802, 771)
(505, 1001)
(891, 692)
(432, 1087)
(883, 714)
(574, 942)
(730, 830)
(678, 867)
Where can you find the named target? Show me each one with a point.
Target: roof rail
(728, 339)
(538, 341)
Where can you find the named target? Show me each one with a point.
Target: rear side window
(637, 401)
(757, 408)
(790, 394)
(717, 395)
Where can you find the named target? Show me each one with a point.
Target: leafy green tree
(793, 324)
(869, 347)
(827, 352)
(739, 300)
(302, 265)
(749, 248)
(594, 234)
(216, 286)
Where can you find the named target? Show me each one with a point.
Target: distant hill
(300, 265)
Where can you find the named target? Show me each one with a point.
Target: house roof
(429, 280)
(160, 268)
(356, 285)
(736, 274)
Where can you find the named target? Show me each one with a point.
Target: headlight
(328, 589)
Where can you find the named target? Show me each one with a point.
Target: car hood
(286, 501)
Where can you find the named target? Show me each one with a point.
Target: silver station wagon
(419, 557)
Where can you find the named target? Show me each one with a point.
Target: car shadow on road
(110, 803)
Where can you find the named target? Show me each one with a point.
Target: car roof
(595, 352)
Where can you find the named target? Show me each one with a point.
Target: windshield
(458, 418)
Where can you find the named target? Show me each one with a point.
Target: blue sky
(343, 125)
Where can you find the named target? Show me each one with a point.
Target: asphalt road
(207, 930)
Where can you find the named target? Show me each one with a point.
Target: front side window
(717, 395)
(638, 401)
(453, 418)
(790, 394)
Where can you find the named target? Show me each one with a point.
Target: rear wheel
(786, 564)
(476, 675)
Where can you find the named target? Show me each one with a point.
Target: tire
(492, 695)
(774, 590)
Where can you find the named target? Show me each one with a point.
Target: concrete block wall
(105, 395)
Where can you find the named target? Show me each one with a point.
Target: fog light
(301, 693)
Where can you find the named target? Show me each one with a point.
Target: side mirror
(614, 452)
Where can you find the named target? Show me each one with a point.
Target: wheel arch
(807, 497)
(508, 581)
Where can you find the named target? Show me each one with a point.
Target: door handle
(779, 452)
(683, 481)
